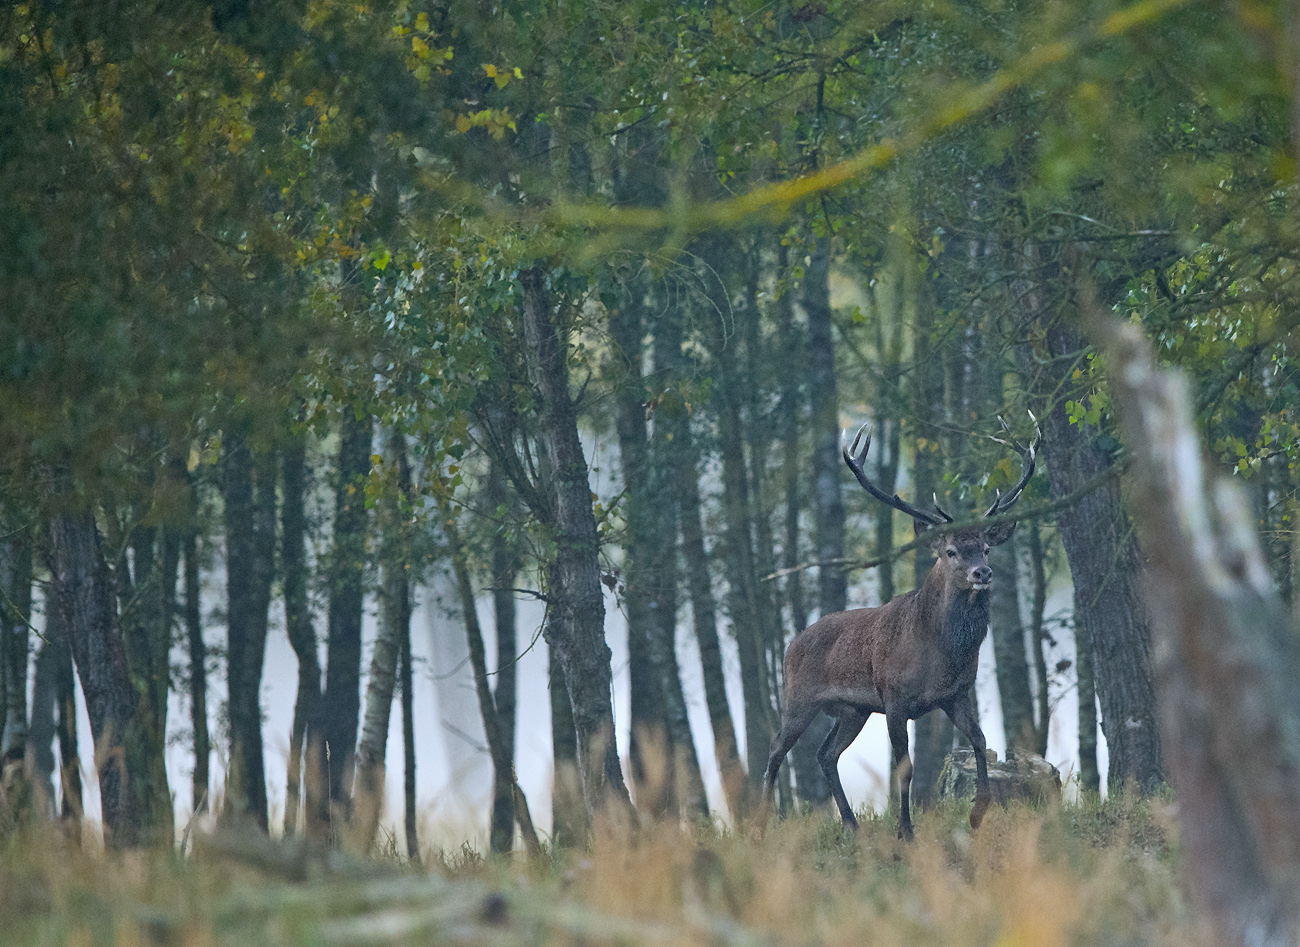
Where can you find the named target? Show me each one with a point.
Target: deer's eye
(952, 554)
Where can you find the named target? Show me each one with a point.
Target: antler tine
(1029, 457)
(857, 458)
(940, 510)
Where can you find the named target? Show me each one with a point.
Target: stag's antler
(855, 458)
(1028, 456)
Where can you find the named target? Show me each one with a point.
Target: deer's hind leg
(848, 724)
(794, 721)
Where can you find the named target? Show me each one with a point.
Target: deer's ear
(918, 527)
(997, 535)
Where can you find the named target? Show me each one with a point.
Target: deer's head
(963, 554)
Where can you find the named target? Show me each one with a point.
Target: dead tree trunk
(1227, 656)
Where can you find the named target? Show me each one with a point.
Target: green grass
(1095, 873)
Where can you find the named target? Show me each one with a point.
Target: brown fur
(907, 657)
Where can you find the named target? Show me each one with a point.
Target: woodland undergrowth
(1092, 873)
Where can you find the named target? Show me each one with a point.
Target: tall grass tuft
(1093, 873)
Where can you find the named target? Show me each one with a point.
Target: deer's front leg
(963, 717)
(897, 724)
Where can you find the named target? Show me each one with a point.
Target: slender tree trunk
(340, 704)
(934, 731)
(65, 725)
(39, 759)
(16, 575)
(1089, 774)
(81, 590)
(682, 457)
(502, 765)
(408, 750)
(650, 752)
(198, 652)
(1037, 631)
(394, 626)
(305, 740)
(576, 628)
(1105, 562)
(828, 501)
(651, 571)
(1011, 663)
(792, 370)
(505, 567)
(249, 484)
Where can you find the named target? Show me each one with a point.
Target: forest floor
(1095, 873)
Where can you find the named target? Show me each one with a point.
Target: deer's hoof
(977, 811)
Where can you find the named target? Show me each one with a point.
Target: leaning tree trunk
(1227, 656)
(1105, 562)
(249, 486)
(340, 703)
(305, 740)
(394, 626)
(576, 627)
(81, 592)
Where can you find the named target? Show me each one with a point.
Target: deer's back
(849, 656)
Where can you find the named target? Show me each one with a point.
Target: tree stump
(1022, 776)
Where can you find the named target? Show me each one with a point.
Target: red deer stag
(916, 652)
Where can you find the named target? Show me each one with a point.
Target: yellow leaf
(463, 124)
(419, 46)
(490, 69)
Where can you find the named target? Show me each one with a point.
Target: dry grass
(1089, 874)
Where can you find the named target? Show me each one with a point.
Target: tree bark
(340, 704)
(828, 501)
(568, 813)
(408, 752)
(1105, 562)
(15, 632)
(198, 653)
(650, 751)
(1089, 775)
(82, 593)
(249, 486)
(39, 758)
(682, 457)
(1228, 657)
(305, 741)
(576, 627)
(1011, 661)
(934, 731)
(505, 568)
(394, 626)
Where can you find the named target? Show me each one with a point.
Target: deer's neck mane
(963, 616)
